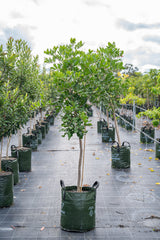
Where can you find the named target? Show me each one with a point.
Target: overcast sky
(133, 25)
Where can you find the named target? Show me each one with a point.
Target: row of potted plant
(21, 93)
(75, 79)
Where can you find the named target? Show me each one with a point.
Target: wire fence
(137, 129)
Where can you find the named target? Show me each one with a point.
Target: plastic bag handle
(63, 186)
(28, 129)
(127, 143)
(115, 142)
(62, 183)
(95, 185)
(13, 147)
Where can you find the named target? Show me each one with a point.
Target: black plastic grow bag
(11, 164)
(90, 112)
(158, 148)
(78, 208)
(30, 140)
(100, 124)
(6, 189)
(24, 159)
(149, 131)
(120, 155)
(38, 133)
(108, 134)
(46, 124)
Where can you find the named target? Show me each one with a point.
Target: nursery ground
(128, 201)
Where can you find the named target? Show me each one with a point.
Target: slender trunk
(8, 142)
(20, 137)
(84, 145)
(100, 111)
(41, 114)
(79, 166)
(34, 124)
(1, 153)
(116, 127)
(30, 130)
(147, 99)
(107, 118)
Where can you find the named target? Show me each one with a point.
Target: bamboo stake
(84, 145)
(79, 166)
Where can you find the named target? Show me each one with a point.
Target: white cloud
(45, 23)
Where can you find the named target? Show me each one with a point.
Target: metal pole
(134, 115)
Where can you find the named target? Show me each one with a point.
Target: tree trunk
(79, 166)
(84, 146)
(20, 137)
(1, 153)
(34, 125)
(107, 118)
(116, 127)
(30, 130)
(100, 111)
(147, 99)
(8, 142)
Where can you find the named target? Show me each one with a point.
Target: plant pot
(43, 130)
(30, 140)
(120, 155)
(149, 131)
(108, 134)
(11, 164)
(127, 125)
(46, 124)
(122, 122)
(78, 208)
(100, 125)
(51, 119)
(89, 112)
(129, 107)
(158, 148)
(38, 133)
(24, 159)
(6, 189)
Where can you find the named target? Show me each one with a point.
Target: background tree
(109, 85)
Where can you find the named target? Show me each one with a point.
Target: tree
(69, 76)
(109, 85)
(130, 69)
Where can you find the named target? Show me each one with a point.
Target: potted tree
(69, 66)
(111, 87)
(27, 82)
(132, 99)
(6, 178)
